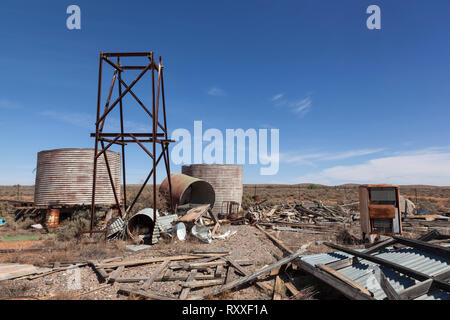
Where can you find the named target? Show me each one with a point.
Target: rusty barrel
(52, 218)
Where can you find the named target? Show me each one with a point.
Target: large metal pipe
(186, 189)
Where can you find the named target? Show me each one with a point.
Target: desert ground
(57, 249)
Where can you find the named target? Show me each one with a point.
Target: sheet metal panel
(362, 272)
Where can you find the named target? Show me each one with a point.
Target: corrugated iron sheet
(415, 259)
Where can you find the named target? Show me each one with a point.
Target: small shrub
(78, 223)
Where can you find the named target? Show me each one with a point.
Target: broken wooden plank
(133, 263)
(200, 284)
(344, 279)
(9, 271)
(165, 278)
(216, 227)
(348, 291)
(229, 274)
(99, 270)
(290, 286)
(217, 263)
(194, 214)
(417, 290)
(387, 288)
(272, 211)
(219, 271)
(274, 239)
(278, 289)
(150, 280)
(185, 291)
(253, 276)
(145, 294)
(32, 277)
(115, 274)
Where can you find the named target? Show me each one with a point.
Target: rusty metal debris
(395, 269)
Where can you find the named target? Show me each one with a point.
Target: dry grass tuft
(13, 291)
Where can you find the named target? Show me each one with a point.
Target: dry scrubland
(62, 246)
(434, 199)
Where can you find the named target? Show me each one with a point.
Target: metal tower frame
(159, 134)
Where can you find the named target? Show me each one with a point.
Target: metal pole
(123, 145)
(94, 178)
(154, 141)
(166, 150)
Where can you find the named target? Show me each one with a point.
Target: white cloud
(215, 91)
(326, 156)
(302, 106)
(277, 96)
(429, 166)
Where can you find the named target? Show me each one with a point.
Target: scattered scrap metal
(395, 269)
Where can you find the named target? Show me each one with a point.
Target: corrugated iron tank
(64, 177)
(226, 180)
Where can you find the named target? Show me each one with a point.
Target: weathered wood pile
(300, 217)
(202, 274)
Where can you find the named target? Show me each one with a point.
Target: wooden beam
(115, 274)
(99, 270)
(290, 286)
(278, 289)
(274, 239)
(229, 273)
(343, 278)
(243, 272)
(392, 265)
(158, 271)
(416, 290)
(154, 260)
(253, 276)
(387, 288)
(380, 245)
(200, 284)
(425, 246)
(145, 294)
(339, 264)
(348, 291)
(185, 291)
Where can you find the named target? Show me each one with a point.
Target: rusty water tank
(226, 180)
(186, 189)
(64, 177)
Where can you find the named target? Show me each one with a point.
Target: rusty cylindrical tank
(225, 179)
(186, 189)
(64, 177)
(52, 218)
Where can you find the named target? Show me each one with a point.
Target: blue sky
(352, 105)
